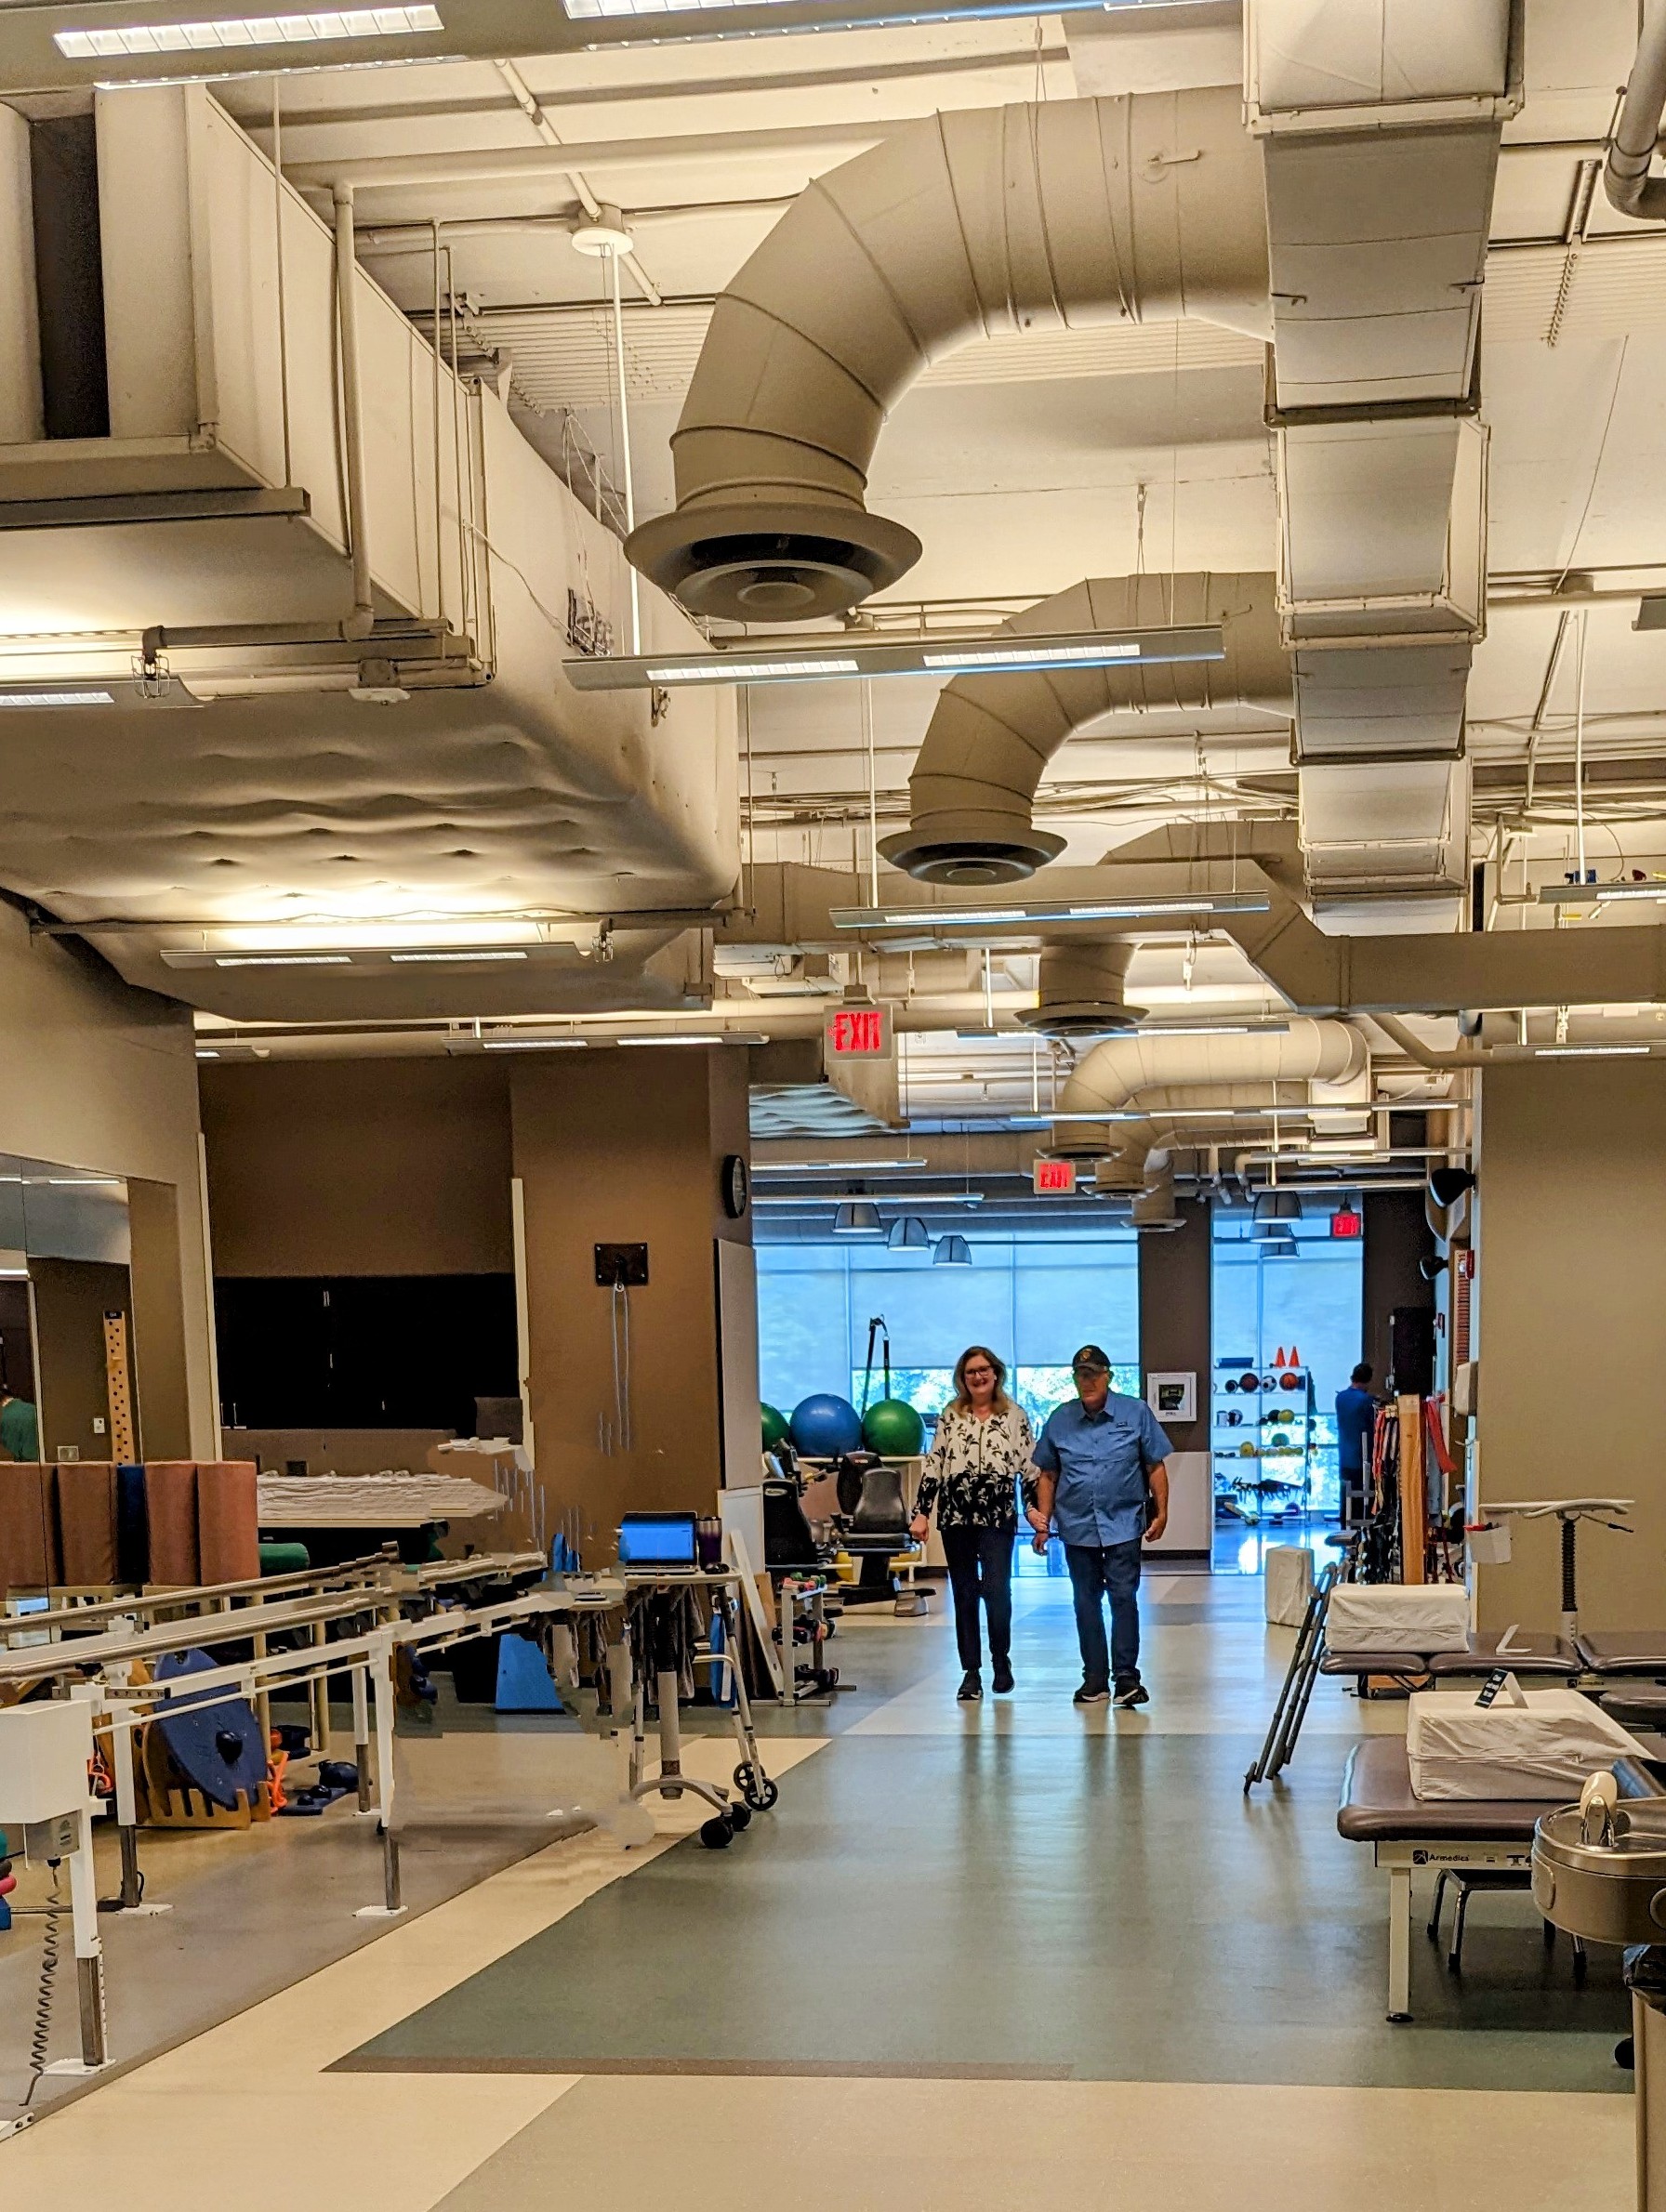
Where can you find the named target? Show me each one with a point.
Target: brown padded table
(1404, 1830)
(1527, 1655)
(1624, 1651)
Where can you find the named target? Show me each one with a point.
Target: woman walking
(980, 1450)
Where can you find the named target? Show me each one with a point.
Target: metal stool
(1465, 1879)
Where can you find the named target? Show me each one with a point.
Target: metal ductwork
(1161, 1076)
(1625, 176)
(1380, 127)
(1080, 988)
(972, 789)
(1060, 215)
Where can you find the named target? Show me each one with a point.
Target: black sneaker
(970, 1687)
(1003, 1678)
(1131, 1693)
(1088, 1695)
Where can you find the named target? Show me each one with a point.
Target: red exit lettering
(856, 1032)
(1346, 1222)
(1054, 1177)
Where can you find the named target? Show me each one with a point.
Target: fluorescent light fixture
(482, 954)
(283, 960)
(203, 1053)
(1598, 894)
(748, 661)
(722, 670)
(534, 1044)
(683, 1037)
(872, 1167)
(1591, 1052)
(1022, 657)
(57, 698)
(1214, 1029)
(124, 41)
(1180, 905)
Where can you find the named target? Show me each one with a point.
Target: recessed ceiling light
(283, 960)
(121, 41)
(480, 953)
(57, 698)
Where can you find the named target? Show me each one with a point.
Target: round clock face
(738, 1185)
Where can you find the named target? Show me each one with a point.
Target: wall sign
(858, 1033)
(1347, 1222)
(1054, 1177)
(1172, 1396)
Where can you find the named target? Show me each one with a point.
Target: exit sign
(859, 1032)
(1346, 1222)
(1054, 1178)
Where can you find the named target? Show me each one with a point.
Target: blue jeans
(1097, 1571)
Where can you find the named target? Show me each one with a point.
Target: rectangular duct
(22, 419)
(1379, 121)
(69, 277)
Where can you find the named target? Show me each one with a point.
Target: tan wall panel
(161, 1389)
(621, 1148)
(1571, 1327)
(358, 1167)
(72, 1297)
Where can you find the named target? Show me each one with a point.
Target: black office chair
(874, 1521)
(788, 1546)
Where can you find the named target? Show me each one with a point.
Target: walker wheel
(745, 1778)
(761, 1796)
(716, 1833)
(740, 1816)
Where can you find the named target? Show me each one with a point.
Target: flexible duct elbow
(1053, 216)
(971, 794)
(1626, 179)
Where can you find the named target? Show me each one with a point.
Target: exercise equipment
(214, 1745)
(776, 1426)
(893, 1429)
(825, 1427)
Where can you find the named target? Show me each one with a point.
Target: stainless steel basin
(1607, 1891)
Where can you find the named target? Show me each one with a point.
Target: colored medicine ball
(774, 1427)
(891, 1427)
(825, 1425)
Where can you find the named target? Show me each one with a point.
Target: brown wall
(158, 1348)
(72, 1297)
(20, 1338)
(1397, 1237)
(1175, 1293)
(625, 1146)
(358, 1167)
(1571, 1316)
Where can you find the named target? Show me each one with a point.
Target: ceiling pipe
(973, 790)
(527, 101)
(1154, 1073)
(1064, 215)
(1626, 179)
(361, 621)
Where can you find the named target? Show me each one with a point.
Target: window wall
(1309, 1309)
(1032, 1300)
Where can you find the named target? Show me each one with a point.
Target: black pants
(980, 1565)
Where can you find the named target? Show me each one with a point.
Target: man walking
(1355, 1417)
(1102, 1464)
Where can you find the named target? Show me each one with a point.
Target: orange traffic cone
(1279, 1358)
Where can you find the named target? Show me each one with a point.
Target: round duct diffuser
(779, 563)
(1081, 1018)
(968, 861)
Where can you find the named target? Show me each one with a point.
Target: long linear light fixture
(1165, 1114)
(844, 659)
(1182, 905)
(835, 1166)
(1600, 894)
(1591, 1052)
(223, 34)
(58, 698)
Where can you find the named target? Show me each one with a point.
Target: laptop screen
(657, 1540)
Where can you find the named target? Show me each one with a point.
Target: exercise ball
(891, 1427)
(824, 1426)
(774, 1427)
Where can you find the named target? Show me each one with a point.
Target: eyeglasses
(977, 1374)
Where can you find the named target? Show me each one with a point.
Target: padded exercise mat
(228, 1525)
(28, 1538)
(171, 1513)
(85, 1499)
(132, 1526)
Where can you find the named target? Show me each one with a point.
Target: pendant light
(858, 1217)
(952, 1252)
(909, 1233)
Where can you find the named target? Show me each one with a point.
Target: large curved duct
(1163, 1076)
(990, 738)
(1080, 988)
(1063, 215)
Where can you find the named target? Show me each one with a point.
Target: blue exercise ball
(824, 1426)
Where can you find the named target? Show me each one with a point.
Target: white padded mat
(1388, 1618)
(1458, 1749)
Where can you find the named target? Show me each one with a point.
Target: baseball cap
(1091, 1356)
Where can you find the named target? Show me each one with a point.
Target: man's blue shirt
(1101, 1461)
(1355, 1412)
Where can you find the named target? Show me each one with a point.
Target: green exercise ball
(774, 1427)
(891, 1427)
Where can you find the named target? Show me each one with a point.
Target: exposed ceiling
(1022, 464)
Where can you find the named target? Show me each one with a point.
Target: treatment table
(1481, 1843)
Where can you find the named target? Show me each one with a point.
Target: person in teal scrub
(20, 1427)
